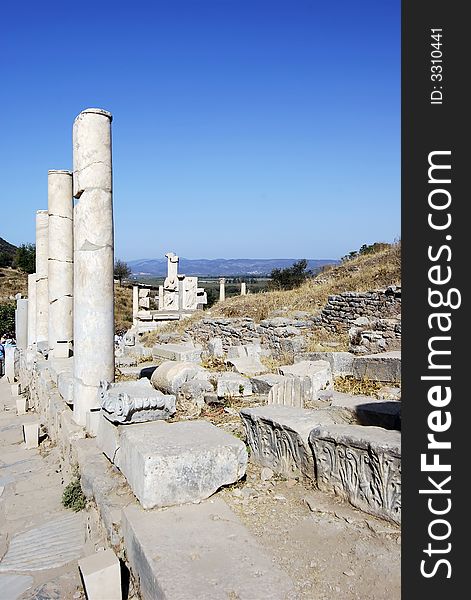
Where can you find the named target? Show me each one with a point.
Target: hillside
(230, 267)
(7, 253)
(12, 281)
(363, 273)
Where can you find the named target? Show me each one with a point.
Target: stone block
(171, 375)
(101, 574)
(31, 434)
(108, 439)
(190, 399)
(62, 349)
(177, 352)
(247, 350)
(233, 385)
(21, 406)
(92, 420)
(385, 366)
(291, 391)
(341, 363)
(215, 347)
(318, 373)
(278, 437)
(199, 552)
(167, 464)
(361, 465)
(15, 389)
(248, 365)
(65, 385)
(262, 384)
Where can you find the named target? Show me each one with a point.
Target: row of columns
(222, 289)
(71, 296)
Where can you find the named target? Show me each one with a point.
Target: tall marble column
(42, 297)
(93, 259)
(21, 323)
(243, 288)
(222, 289)
(60, 262)
(31, 310)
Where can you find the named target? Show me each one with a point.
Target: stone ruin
(119, 432)
(177, 298)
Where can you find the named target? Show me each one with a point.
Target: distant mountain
(7, 253)
(220, 267)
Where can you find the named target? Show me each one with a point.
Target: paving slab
(12, 586)
(199, 552)
(47, 546)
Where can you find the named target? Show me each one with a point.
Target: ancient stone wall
(342, 310)
(279, 335)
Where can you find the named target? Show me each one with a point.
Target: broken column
(243, 288)
(222, 289)
(21, 323)
(93, 259)
(60, 262)
(31, 309)
(42, 298)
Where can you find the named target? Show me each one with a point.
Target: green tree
(121, 270)
(25, 258)
(291, 277)
(7, 320)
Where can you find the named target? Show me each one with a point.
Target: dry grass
(322, 340)
(122, 308)
(358, 387)
(364, 273)
(215, 363)
(273, 363)
(179, 328)
(12, 281)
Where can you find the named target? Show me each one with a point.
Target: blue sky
(241, 128)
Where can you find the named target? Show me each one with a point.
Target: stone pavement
(40, 540)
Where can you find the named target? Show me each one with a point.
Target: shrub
(7, 320)
(25, 258)
(73, 496)
(291, 277)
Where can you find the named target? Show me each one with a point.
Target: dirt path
(329, 549)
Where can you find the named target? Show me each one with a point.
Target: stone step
(202, 552)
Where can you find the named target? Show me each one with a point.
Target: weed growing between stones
(73, 496)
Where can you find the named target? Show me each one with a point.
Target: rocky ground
(329, 549)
